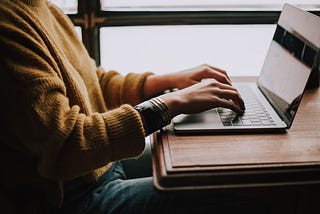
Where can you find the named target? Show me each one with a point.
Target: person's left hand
(186, 78)
(156, 84)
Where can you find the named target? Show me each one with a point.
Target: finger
(230, 105)
(232, 95)
(225, 86)
(219, 75)
(229, 92)
(221, 71)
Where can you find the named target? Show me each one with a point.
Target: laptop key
(266, 122)
(227, 123)
(237, 122)
(256, 123)
(246, 122)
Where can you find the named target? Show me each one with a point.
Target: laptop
(273, 100)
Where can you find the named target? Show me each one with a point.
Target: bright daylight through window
(68, 6)
(240, 49)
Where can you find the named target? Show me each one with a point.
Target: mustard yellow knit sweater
(61, 116)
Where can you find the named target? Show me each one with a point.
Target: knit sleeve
(46, 110)
(119, 89)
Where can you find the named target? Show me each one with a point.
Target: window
(204, 5)
(68, 6)
(79, 31)
(170, 35)
(231, 34)
(240, 49)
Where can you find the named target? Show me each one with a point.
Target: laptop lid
(293, 53)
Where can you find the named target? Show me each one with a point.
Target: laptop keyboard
(255, 113)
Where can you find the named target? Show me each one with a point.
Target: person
(70, 129)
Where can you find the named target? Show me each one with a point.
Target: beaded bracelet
(155, 114)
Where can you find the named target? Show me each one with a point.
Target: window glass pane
(239, 49)
(208, 5)
(68, 6)
(79, 31)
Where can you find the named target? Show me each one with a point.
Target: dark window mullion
(85, 18)
(168, 18)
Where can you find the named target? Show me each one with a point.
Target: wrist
(174, 103)
(157, 84)
(155, 114)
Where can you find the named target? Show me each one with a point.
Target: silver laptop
(272, 101)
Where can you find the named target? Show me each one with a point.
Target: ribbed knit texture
(62, 117)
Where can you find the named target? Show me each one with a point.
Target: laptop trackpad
(207, 120)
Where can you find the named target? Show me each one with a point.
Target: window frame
(203, 5)
(91, 18)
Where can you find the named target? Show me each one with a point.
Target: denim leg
(114, 195)
(78, 194)
(139, 167)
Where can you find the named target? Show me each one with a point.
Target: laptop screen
(291, 58)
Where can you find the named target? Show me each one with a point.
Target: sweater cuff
(126, 132)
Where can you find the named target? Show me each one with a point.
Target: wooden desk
(246, 160)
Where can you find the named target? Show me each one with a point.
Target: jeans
(127, 187)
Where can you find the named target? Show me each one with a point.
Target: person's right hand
(203, 96)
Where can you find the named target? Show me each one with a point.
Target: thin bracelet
(166, 116)
(155, 114)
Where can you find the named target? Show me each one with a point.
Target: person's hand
(203, 96)
(156, 84)
(201, 88)
(188, 77)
